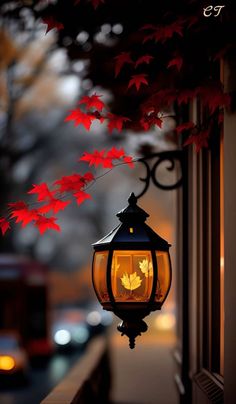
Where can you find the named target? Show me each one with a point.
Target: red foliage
(4, 225)
(96, 3)
(74, 182)
(143, 59)
(120, 60)
(149, 120)
(52, 23)
(200, 140)
(81, 196)
(80, 118)
(176, 62)
(184, 126)
(45, 223)
(42, 191)
(22, 213)
(116, 122)
(92, 102)
(160, 33)
(137, 80)
(105, 158)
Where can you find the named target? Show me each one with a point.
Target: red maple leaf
(176, 62)
(4, 225)
(200, 140)
(42, 191)
(150, 119)
(52, 23)
(45, 223)
(74, 182)
(115, 154)
(121, 60)
(22, 213)
(116, 122)
(213, 97)
(80, 118)
(81, 196)
(96, 3)
(103, 158)
(55, 205)
(97, 158)
(143, 59)
(163, 32)
(129, 160)
(184, 126)
(137, 80)
(92, 101)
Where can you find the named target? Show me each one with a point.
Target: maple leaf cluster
(56, 199)
(94, 108)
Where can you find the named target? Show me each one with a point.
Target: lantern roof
(133, 232)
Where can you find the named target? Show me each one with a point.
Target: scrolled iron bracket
(171, 156)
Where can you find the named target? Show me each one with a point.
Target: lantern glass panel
(132, 276)
(164, 275)
(100, 275)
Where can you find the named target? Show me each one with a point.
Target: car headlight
(7, 362)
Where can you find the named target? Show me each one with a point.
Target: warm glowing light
(62, 337)
(222, 262)
(6, 362)
(131, 230)
(165, 321)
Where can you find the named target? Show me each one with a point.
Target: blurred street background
(48, 309)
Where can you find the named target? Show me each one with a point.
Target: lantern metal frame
(120, 239)
(132, 313)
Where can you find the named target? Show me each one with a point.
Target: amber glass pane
(99, 275)
(132, 276)
(163, 275)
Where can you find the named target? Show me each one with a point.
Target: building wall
(230, 239)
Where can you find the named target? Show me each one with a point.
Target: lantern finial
(132, 199)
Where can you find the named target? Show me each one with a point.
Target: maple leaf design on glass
(138, 79)
(52, 23)
(145, 59)
(131, 282)
(146, 267)
(120, 60)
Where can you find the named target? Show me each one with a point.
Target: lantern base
(132, 330)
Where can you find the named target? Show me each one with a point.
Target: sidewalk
(144, 375)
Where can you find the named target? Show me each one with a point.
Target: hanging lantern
(132, 270)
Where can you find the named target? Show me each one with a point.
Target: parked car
(13, 357)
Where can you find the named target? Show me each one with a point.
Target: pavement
(144, 375)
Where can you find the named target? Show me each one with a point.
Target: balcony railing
(88, 381)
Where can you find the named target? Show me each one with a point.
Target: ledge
(89, 379)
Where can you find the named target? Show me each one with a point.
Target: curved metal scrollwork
(151, 169)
